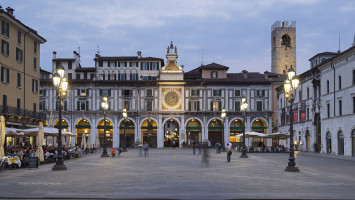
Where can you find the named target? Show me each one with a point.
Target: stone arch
(174, 118)
(126, 129)
(149, 134)
(141, 123)
(107, 118)
(230, 122)
(193, 134)
(78, 119)
(285, 40)
(198, 119)
(216, 134)
(208, 122)
(129, 118)
(260, 118)
(341, 142)
(328, 138)
(171, 131)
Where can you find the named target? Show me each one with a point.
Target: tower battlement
(279, 23)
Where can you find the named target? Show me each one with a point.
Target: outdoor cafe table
(11, 160)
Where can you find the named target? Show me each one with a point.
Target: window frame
(147, 107)
(237, 107)
(19, 55)
(214, 74)
(5, 29)
(216, 95)
(194, 92)
(257, 106)
(18, 80)
(5, 48)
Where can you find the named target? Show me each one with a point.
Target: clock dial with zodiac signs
(172, 99)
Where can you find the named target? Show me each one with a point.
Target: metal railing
(10, 110)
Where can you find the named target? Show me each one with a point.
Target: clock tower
(171, 85)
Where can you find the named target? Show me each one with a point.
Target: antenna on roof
(79, 53)
(201, 56)
(98, 50)
(339, 43)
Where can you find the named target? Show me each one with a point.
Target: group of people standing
(207, 144)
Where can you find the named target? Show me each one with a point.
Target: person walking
(229, 152)
(199, 148)
(140, 148)
(217, 147)
(113, 152)
(146, 148)
(174, 143)
(194, 147)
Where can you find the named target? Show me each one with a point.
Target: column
(205, 129)
(226, 132)
(182, 137)
(160, 134)
(115, 136)
(137, 131)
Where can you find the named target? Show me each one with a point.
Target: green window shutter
(87, 106)
(78, 92)
(220, 93)
(136, 76)
(263, 93)
(198, 106)
(150, 66)
(115, 64)
(119, 76)
(216, 74)
(115, 76)
(130, 76)
(87, 92)
(100, 92)
(211, 105)
(141, 66)
(78, 105)
(2, 72)
(109, 92)
(158, 66)
(189, 105)
(65, 105)
(8, 73)
(103, 75)
(237, 106)
(136, 64)
(219, 106)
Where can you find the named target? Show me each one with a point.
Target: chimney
(139, 53)
(10, 10)
(245, 73)
(54, 55)
(266, 74)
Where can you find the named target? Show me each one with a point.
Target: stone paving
(177, 174)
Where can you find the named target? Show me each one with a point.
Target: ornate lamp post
(61, 85)
(124, 114)
(104, 106)
(290, 86)
(243, 108)
(223, 116)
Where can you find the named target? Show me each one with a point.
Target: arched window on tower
(285, 41)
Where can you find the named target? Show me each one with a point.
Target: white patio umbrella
(83, 142)
(51, 123)
(89, 141)
(48, 131)
(68, 141)
(2, 136)
(97, 141)
(40, 138)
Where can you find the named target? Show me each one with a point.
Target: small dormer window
(214, 74)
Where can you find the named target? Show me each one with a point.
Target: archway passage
(193, 131)
(149, 132)
(340, 143)
(82, 128)
(171, 133)
(101, 132)
(260, 126)
(308, 140)
(128, 128)
(353, 142)
(65, 125)
(215, 132)
(329, 143)
(236, 128)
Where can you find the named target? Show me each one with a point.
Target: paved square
(161, 175)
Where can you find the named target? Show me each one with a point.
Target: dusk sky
(230, 32)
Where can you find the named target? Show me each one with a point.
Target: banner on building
(295, 113)
(303, 114)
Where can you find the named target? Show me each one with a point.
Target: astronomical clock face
(171, 99)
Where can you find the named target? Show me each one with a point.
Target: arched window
(285, 41)
(340, 143)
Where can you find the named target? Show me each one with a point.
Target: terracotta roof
(213, 66)
(27, 27)
(281, 78)
(126, 58)
(86, 69)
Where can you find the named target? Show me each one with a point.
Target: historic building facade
(324, 113)
(20, 72)
(164, 103)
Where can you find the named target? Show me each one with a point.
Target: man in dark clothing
(194, 147)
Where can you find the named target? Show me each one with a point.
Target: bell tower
(283, 46)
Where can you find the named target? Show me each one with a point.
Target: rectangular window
(123, 64)
(82, 105)
(307, 113)
(4, 100)
(19, 37)
(328, 86)
(133, 77)
(5, 74)
(34, 86)
(216, 106)
(42, 105)
(339, 82)
(133, 64)
(70, 76)
(126, 105)
(328, 110)
(340, 108)
(112, 64)
(144, 66)
(123, 77)
(83, 93)
(18, 106)
(237, 93)
(92, 76)
(42, 93)
(149, 92)
(307, 93)
(194, 106)
(5, 29)
(34, 107)
(18, 79)
(35, 63)
(195, 93)
(78, 76)
(217, 93)
(101, 63)
(154, 66)
(111, 77)
(4, 48)
(127, 93)
(105, 92)
(149, 106)
(259, 106)
(237, 106)
(260, 93)
(18, 55)
(214, 74)
(70, 65)
(35, 47)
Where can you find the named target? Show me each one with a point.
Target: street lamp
(104, 106)
(61, 85)
(223, 116)
(243, 108)
(290, 87)
(124, 114)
